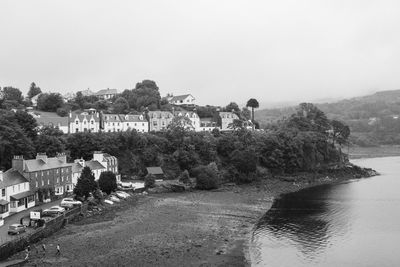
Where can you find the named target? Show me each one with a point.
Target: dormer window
(76, 122)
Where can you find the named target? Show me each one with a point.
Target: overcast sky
(217, 50)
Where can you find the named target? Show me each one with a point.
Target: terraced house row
(31, 181)
(93, 121)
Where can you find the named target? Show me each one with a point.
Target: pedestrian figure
(44, 249)
(26, 254)
(58, 250)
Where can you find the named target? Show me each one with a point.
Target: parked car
(55, 210)
(121, 195)
(114, 198)
(108, 201)
(69, 202)
(16, 229)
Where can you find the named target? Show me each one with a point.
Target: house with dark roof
(208, 124)
(15, 193)
(45, 174)
(156, 171)
(106, 94)
(182, 100)
(78, 165)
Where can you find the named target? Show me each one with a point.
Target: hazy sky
(217, 50)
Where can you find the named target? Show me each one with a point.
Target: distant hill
(373, 119)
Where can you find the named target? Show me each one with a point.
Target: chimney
(98, 155)
(62, 157)
(18, 163)
(1, 176)
(42, 156)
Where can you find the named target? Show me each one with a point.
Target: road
(15, 218)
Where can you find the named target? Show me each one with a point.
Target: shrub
(62, 112)
(208, 177)
(149, 181)
(184, 177)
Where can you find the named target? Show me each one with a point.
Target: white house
(159, 120)
(194, 118)
(137, 122)
(84, 122)
(15, 193)
(34, 100)
(112, 123)
(79, 164)
(226, 119)
(108, 161)
(182, 100)
(106, 94)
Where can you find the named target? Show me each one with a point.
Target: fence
(18, 244)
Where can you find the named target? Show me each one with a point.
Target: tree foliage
(34, 90)
(86, 183)
(107, 182)
(50, 102)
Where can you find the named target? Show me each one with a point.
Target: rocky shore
(197, 228)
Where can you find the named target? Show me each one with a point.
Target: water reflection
(351, 224)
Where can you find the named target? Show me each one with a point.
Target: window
(142, 124)
(57, 180)
(84, 122)
(91, 122)
(4, 209)
(48, 181)
(13, 188)
(3, 192)
(19, 188)
(76, 130)
(42, 183)
(128, 124)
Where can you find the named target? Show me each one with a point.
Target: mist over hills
(373, 119)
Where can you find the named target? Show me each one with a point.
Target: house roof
(12, 177)
(107, 92)
(111, 118)
(94, 165)
(160, 114)
(32, 165)
(22, 195)
(154, 170)
(81, 117)
(191, 114)
(180, 97)
(133, 118)
(3, 202)
(52, 121)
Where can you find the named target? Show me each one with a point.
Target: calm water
(352, 224)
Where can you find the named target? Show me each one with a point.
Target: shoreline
(194, 228)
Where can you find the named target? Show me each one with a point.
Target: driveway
(15, 218)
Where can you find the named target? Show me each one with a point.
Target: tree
(86, 183)
(27, 123)
(232, 107)
(145, 94)
(13, 140)
(108, 182)
(253, 103)
(33, 90)
(340, 132)
(12, 94)
(121, 106)
(51, 145)
(50, 102)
